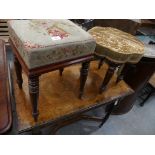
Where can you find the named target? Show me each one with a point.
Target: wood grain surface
(59, 95)
(5, 107)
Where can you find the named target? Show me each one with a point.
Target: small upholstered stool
(116, 48)
(41, 46)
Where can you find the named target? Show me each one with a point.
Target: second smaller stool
(117, 48)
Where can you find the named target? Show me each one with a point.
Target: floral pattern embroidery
(29, 45)
(56, 32)
(51, 29)
(49, 54)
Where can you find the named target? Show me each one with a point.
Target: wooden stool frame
(33, 75)
(110, 71)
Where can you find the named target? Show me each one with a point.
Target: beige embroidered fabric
(43, 42)
(116, 45)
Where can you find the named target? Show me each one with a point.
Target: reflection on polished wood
(5, 100)
(59, 94)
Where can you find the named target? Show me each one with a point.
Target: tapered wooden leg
(61, 71)
(18, 70)
(34, 95)
(100, 63)
(83, 77)
(120, 73)
(107, 78)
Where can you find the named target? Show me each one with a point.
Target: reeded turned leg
(18, 70)
(108, 76)
(61, 71)
(83, 77)
(34, 95)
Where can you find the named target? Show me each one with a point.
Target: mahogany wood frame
(33, 74)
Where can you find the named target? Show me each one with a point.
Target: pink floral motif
(54, 32)
(29, 45)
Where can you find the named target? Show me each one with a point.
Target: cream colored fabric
(43, 42)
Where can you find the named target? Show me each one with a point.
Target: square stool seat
(41, 46)
(116, 45)
(44, 42)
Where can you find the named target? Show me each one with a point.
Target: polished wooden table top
(59, 95)
(5, 105)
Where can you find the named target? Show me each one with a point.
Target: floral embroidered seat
(43, 42)
(116, 48)
(41, 46)
(116, 45)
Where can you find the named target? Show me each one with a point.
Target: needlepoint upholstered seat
(43, 42)
(41, 46)
(117, 47)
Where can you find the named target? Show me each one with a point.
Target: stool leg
(100, 63)
(120, 73)
(34, 95)
(61, 71)
(107, 78)
(18, 70)
(83, 77)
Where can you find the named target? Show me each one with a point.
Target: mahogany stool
(116, 48)
(41, 46)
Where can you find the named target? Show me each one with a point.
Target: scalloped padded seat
(44, 42)
(116, 45)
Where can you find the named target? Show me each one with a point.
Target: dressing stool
(116, 48)
(41, 46)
